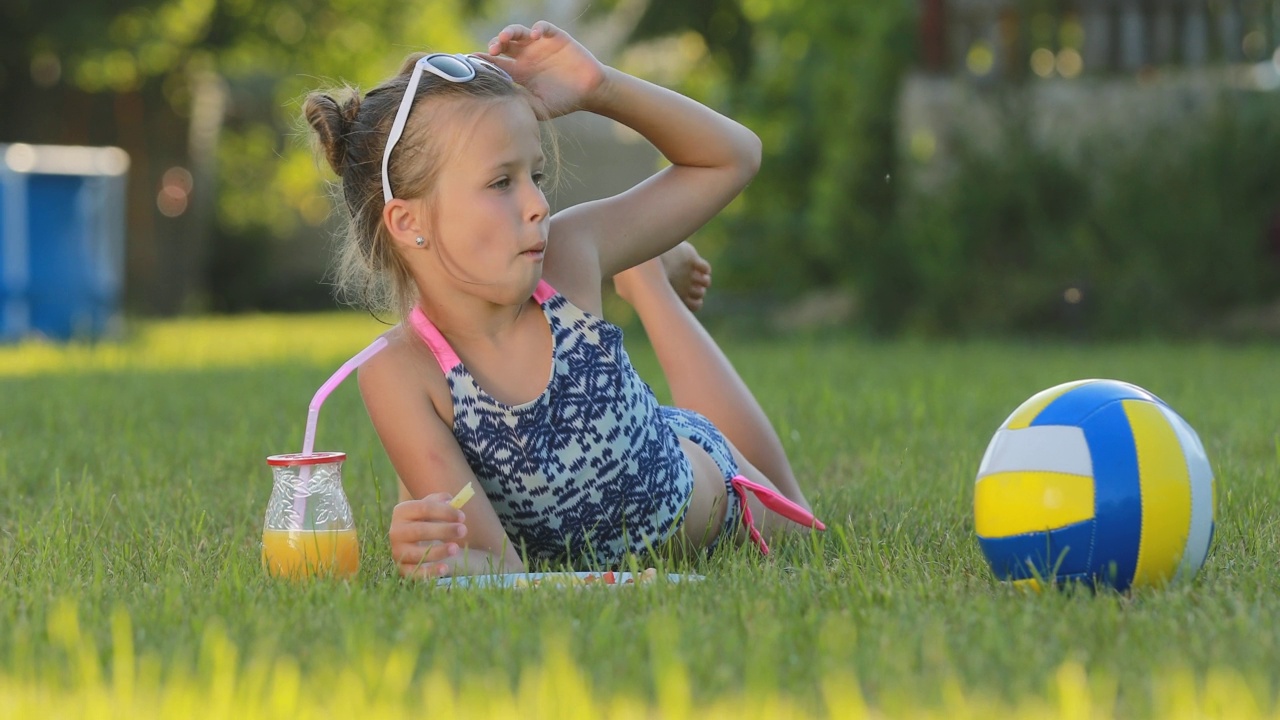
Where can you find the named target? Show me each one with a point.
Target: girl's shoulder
(572, 267)
(405, 367)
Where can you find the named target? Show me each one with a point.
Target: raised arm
(712, 157)
(431, 465)
(712, 160)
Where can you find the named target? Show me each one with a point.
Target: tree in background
(818, 82)
(203, 95)
(1172, 234)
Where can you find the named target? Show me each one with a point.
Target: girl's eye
(538, 178)
(501, 184)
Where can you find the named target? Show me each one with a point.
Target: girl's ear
(405, 222)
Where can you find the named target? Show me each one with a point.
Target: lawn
(133, 485)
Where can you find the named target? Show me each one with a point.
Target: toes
(689, 274)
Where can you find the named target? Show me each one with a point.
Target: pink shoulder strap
(440, 347)
(430, 335)
(543, 292)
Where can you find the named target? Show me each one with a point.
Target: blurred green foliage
(723, 24)
(139, 68)
(292, 48)
(1170, 234)
(820, 87)
(821, 92)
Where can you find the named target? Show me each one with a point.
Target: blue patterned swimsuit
(591, 469)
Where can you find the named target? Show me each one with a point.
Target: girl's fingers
(423, 553)
(502, 61)
(511, 34)
(515, 32)
(424, 562)
(542, 28)
(434, 508)
(417, 532)
(429, 571)
(520, 35)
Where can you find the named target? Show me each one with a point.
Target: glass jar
(308, 530)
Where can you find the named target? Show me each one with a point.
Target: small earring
(419, 241)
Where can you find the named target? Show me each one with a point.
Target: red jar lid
(317, 458)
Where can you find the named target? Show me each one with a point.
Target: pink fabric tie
(773, 501)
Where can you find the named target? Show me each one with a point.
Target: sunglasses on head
(455, 68)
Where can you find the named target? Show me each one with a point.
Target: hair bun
(332, 122)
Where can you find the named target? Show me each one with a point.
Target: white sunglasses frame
(471, 62)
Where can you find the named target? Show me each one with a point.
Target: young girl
(503, 371)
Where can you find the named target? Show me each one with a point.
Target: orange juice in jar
(305, 553)
(308, 530)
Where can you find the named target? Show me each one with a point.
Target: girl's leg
(704, 517)
(701, 378)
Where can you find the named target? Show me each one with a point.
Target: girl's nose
(537, 207)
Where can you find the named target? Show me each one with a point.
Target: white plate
(555, 579)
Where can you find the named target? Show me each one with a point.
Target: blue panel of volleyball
(1098, 481)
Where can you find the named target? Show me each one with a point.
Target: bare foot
(687, 272)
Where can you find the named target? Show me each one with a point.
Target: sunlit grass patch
(200, 343)
(386, 685)
(134, 477)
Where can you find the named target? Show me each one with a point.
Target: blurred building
(1012, 39)
(1078, 67)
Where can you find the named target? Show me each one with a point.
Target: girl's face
(491, 217)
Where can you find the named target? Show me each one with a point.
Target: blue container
(61, 240)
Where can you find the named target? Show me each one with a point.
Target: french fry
(462, 497)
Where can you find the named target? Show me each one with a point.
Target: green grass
(133, 483)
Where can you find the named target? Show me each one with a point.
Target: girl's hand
(423, 535)
(561, 73)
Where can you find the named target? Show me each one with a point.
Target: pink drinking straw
(313, 415)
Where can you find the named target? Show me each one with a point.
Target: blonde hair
(352, 134)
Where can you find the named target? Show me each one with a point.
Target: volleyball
(1097, 481)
